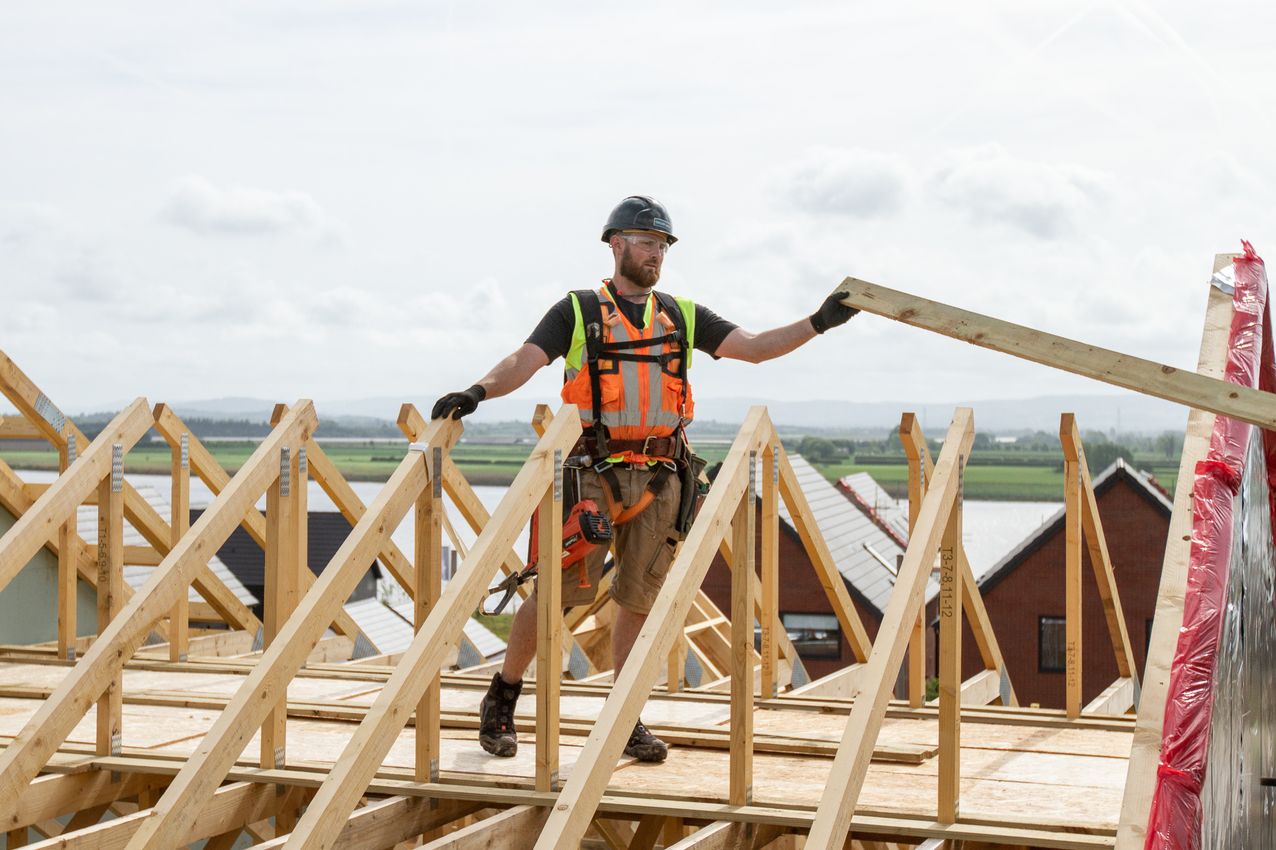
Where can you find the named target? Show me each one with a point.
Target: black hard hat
(638, 212)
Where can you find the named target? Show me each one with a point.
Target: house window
(1052, 653)
(814, 635)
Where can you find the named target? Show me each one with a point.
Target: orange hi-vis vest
(639, 374)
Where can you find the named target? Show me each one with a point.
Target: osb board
(896, 789)
(301, 688)
(135, 681)
(992, 736)
(144, 726)
(587, 708)
(323, 741)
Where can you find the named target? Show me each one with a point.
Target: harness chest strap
(672, 314)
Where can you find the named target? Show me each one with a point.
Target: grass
(990, 482)
(497, 624)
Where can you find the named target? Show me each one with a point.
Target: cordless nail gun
(584, 529)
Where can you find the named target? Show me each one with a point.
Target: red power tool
(584, 529)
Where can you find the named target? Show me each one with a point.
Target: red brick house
(866, 556)
(1024, 592)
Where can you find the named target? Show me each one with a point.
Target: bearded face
(640, 267)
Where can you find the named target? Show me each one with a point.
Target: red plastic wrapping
(1218, 541)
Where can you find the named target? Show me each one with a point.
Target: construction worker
(627, 349)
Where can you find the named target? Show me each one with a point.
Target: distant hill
(1127, 413)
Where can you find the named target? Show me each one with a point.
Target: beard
(645, 275)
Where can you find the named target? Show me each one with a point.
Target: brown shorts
(644, 545)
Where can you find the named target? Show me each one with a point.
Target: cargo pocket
(664, 543)
(672, 398)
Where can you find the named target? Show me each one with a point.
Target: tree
(1170, 444)
(818, 450)
(1099, 456)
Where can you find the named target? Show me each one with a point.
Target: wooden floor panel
(1070, 777)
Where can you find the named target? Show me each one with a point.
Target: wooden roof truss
(357, 802)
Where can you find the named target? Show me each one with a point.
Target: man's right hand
(460, 404)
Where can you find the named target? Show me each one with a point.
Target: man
(627, 350)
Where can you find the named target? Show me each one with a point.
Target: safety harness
(630, 350)
(585, 528)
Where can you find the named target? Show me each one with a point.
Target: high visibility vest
(643, 386)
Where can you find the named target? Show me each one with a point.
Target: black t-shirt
(553, 335)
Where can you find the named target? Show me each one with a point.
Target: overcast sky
(338, 200)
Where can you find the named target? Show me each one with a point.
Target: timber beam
(514, 827)
(53, 795)
(630, 807)
(387, 822)
(37, 526)
(230, 807)
(41, 736)
(362, 756)
(203, 464)
(850, 766)
(584, 789)
(1145, 753)
(285, 656)
(1198, 390)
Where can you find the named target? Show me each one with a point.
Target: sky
(339, 200)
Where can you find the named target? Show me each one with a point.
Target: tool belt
(683, 462)
(671, 447)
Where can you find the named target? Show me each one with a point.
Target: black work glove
(832, 313)
(457, 405)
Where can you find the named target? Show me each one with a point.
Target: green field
(497, 464)
(992, 482)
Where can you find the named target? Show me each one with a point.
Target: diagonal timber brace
(57, 715)
(581, 795)
(217, 751)
(850, 766)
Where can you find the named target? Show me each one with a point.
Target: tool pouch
(692, 494)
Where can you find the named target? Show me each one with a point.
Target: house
(325, 532)
(28, 604)
(865, 555)
(390, 628)
(890, 513)
(1024, 592)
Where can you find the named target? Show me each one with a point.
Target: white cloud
(843, 181)
(476, 163)
(1046, 200)
(197, 204)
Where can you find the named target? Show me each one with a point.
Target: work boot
(496, 717)
(645, 746)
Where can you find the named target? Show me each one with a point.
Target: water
(991, 529)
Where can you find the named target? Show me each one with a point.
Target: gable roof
(865, 554)
(135, 576)
(893, 512)
(325, 532)
(390, 628)
(1119, 471)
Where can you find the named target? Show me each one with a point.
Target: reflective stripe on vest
(638, 420)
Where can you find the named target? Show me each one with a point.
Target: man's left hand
(832, 313)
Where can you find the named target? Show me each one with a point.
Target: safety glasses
(650, 244)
